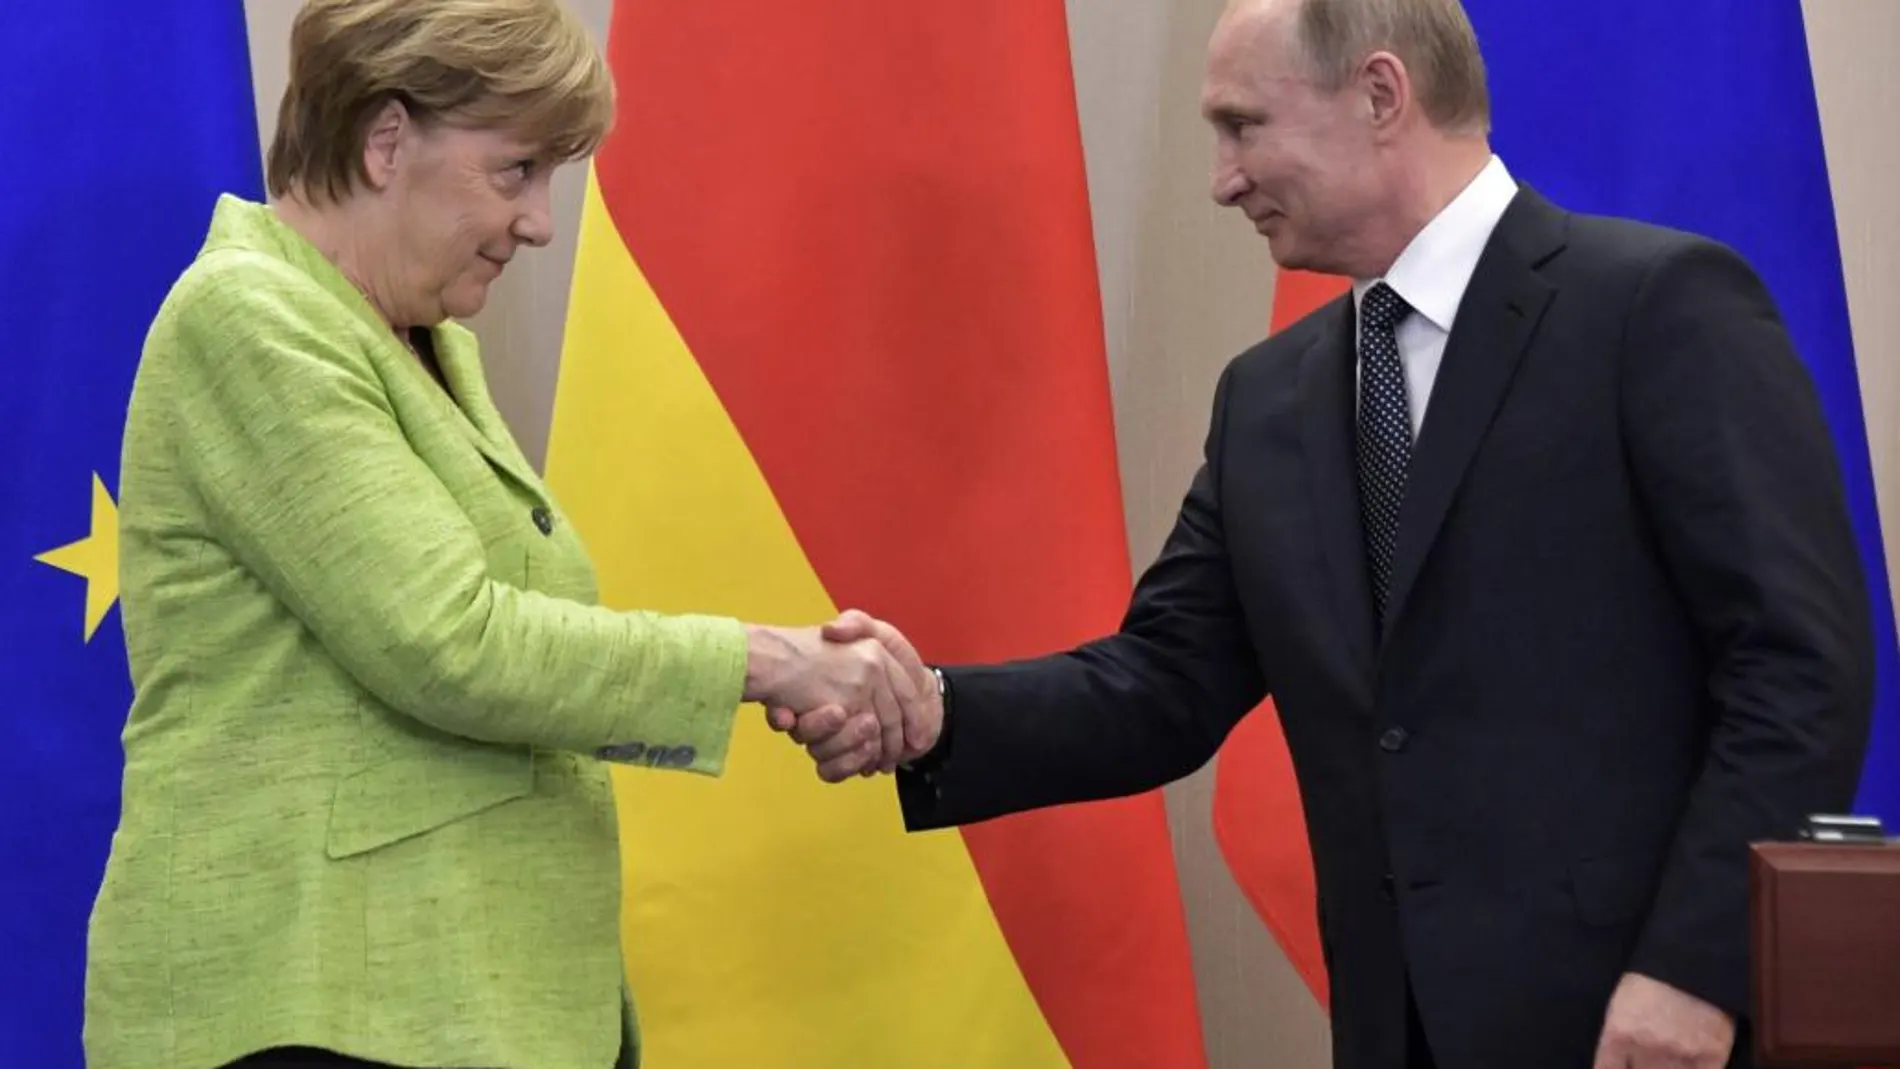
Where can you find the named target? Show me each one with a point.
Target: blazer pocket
(404, 797)
(1615, 889)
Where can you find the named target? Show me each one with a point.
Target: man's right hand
(831, 738)
(802, 670)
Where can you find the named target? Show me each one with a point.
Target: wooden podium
(1825, 921)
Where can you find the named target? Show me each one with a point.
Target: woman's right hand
(799, 669)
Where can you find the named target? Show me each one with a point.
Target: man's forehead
(1236, 8)
(1242, 59)
(1248, 18)
(1251, 35)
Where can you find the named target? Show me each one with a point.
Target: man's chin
(1286, 254)
(1291, 255)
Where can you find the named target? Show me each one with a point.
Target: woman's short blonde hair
(527, 66)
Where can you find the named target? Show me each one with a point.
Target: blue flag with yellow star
(124, 123)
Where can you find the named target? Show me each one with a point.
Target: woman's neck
(342, 233)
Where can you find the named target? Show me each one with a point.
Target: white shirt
(1432, 273)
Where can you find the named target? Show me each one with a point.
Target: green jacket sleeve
(310, 482)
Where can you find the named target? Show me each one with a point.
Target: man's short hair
(1433, 38)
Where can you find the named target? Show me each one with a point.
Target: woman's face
(462, 201)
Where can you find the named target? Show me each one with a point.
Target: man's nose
(1229, 184)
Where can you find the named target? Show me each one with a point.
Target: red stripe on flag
(870, 223)
(1297, 294)
(1258, 819)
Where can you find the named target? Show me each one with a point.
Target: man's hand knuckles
(1669, 1049)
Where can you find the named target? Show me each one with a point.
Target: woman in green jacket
(365, 816)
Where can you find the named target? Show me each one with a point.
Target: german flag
(835, 341)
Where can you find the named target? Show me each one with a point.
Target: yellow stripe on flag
(804, 909)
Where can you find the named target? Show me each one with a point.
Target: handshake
(854, 693)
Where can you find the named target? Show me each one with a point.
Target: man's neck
(1439, 176)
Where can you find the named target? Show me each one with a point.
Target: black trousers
(312, 1058)
(301, 1058)
(1417, 1054)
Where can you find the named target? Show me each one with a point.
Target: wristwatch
(934, 759)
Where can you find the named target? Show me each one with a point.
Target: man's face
(1299, 162)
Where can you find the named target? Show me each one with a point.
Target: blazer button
(543, 519)
(1393, 740)
(1386, 887)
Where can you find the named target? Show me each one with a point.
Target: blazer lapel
(474, 413)
(1327, 405)
(1496, 321)
(471, 411)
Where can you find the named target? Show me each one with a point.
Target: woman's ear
(384, 143)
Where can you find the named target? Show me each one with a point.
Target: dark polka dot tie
(1385, 432)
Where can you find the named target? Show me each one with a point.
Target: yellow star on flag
(94, 558)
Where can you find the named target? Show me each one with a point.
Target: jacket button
(1386, 887)
(1393, 740)
(543, 519)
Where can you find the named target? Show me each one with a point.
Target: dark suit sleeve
(1732, 457)
(1117, 716)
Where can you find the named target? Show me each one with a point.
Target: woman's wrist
(767, 654)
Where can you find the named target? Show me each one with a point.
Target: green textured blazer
(364, 803)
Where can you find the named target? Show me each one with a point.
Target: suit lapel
(1327, 405)
(475, 415)
(470, 410)
(1497, 318)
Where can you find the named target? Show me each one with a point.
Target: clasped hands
(854, 693)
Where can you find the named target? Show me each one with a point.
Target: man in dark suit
(1537, 539)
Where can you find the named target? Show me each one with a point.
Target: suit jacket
(362, 809)
(1628, 633)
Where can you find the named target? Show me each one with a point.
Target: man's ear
(1387, 89)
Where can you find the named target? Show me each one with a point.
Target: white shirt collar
(1433, 271)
